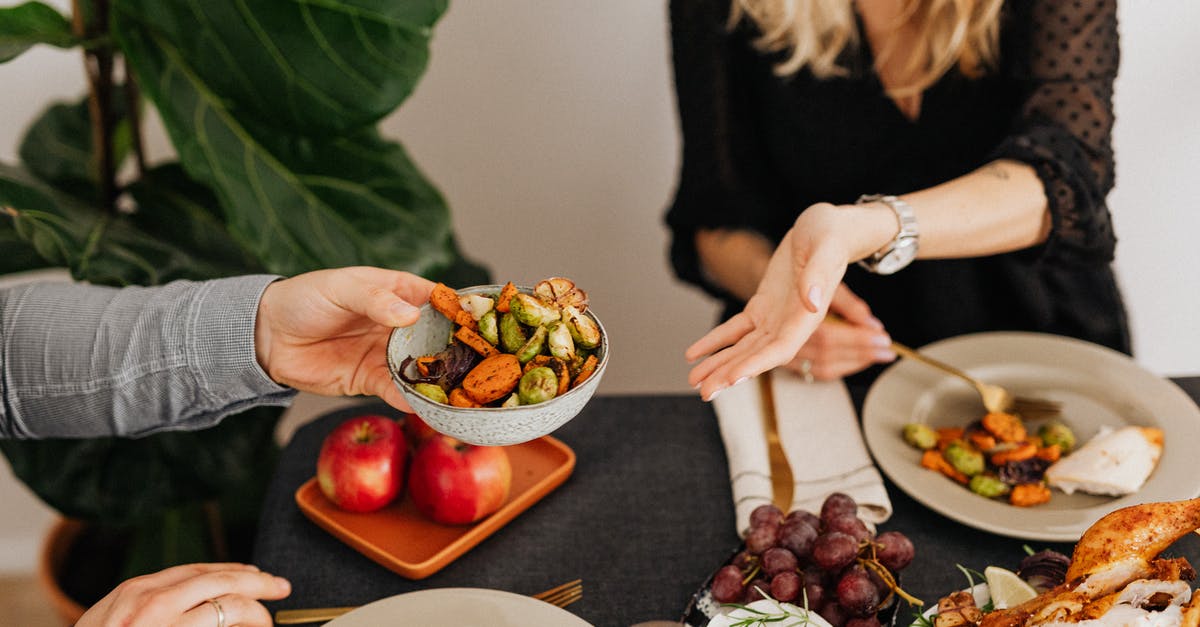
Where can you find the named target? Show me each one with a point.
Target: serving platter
(1096, 386)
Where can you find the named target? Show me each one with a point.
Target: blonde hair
(815, 32)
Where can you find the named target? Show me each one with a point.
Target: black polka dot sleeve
(1065, 54)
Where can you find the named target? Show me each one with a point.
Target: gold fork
(994, 397)
(559, 596)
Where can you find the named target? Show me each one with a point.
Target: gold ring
(806, 370)
(220, 612)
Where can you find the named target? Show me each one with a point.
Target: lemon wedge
(1007, 588)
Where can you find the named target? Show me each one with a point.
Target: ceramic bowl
(484, 426)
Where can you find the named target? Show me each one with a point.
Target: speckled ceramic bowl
(485, 426)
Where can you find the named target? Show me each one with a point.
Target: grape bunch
(830, 563)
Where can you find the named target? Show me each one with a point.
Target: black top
(758, 149)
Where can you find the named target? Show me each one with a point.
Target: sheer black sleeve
(1065, 54)
(718, 159)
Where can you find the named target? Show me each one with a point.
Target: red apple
(455, 483)
(361, 465)
(417, 430)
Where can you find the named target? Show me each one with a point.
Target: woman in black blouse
(988, 121)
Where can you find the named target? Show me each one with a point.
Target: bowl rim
(406, 387)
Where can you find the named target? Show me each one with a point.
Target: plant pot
(56, 547)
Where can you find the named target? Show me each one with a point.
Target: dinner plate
(458, 607)
(1097, 386)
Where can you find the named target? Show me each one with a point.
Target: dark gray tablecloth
(643, 520)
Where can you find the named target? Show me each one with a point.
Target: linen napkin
(820, 437)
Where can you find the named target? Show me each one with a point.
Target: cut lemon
(1007, 588)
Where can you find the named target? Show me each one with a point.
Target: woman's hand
(327, 331)
(179, 597)
(838, 348)
(790, 301)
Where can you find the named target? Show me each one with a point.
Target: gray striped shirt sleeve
(88, 361)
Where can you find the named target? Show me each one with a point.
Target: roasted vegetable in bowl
(509, 348)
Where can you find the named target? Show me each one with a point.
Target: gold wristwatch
(900, 251)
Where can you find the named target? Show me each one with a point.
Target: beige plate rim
(458, 607)
(1096, 385)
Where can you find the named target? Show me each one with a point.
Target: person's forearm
(88, 361)
(1001, 207)
(733, 259)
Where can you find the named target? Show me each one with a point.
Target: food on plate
(766, 612)
(455, 483)
(1115, 578)
(497, 337)
(831, 563)
(361, 464)
(1115, 462)
(995, 457)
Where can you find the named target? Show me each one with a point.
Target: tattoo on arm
(997, 171)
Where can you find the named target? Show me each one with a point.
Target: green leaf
(57, 148)
(298, 203)
(112, 250)
(174, 209)
(320, 65)
(19, 255)
(122, 481)
(29, 24)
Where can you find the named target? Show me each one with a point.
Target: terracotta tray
(403, 540)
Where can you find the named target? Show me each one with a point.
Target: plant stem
(133, 100)
(98, 64)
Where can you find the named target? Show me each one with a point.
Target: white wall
(553, 122)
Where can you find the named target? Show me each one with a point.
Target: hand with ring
(838, 348)
(192, 595)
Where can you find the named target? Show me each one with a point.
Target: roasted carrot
(445, 301)
(459, 398)
(464, 319)
(589, 366)
(982, 440)
(493, 378)
(933, 460)
(423, 364)
(538, 360)
(946, 435)
(1006, 427)
(562, 372)
(506, 295)
(475, 341)
(1050, 453)
(1018, 453)
(1029, 494)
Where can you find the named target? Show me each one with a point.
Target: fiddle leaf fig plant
(272, 109)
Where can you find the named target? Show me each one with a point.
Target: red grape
(856, 592)
(786, 586)
(834, 551)
(797, 536)
(756, 590)
(760, 539)
(803, 515)
(814, 592)
(834, 613)
(894, 550)
(777, 560)
(727, 585)
(765, 515)
(836, 504)
(744, 560)
(849, 524)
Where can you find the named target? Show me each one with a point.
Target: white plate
(459, 607)
(1097, 386)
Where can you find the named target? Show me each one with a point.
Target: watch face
(898, 257)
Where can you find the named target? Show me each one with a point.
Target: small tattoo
(997, 171)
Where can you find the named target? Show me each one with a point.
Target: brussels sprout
(920, 435)
(559, 339)
(432, 391)
(965, 459)
(512, 336)
(532, 347)
(584, 330)
(532, 312)
(514, 400)
(987, 485)
(489, 329)
(538, 385)
(1057, 433)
